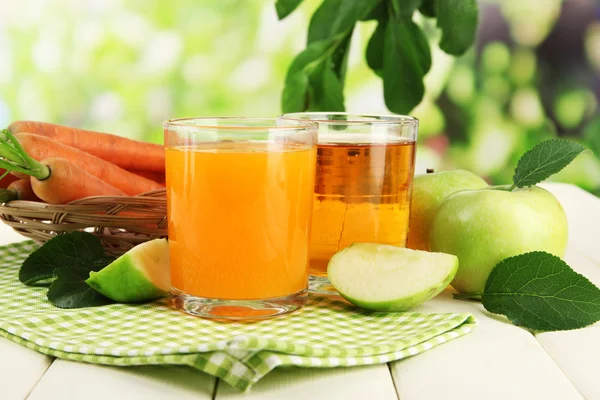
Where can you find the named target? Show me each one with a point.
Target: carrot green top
(14, 158)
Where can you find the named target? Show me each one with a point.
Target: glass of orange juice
(239, 206)
(365, 168)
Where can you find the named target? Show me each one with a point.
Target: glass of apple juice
(239, 207)
(365, 168)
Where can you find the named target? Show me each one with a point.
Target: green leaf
(336, 17)
(286, 7)
(296, 89)
(428, 8)
(539, 291)
(374, 53)
(327, 90)
(294, 95)
(403, 67)
(458, 21)
(405, 8)
(378, 12)
(544, 160)
(75, 250)
(69, 289)
(339, 58)
(421, 46)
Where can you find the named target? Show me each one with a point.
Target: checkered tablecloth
(326, 333)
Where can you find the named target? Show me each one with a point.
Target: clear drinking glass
(239, 204)
(365, 168)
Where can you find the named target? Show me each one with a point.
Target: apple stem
(472, 296)
(430, 170)
(513, 187)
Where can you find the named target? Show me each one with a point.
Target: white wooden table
(496, 361)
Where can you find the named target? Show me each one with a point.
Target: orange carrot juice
(239, 218)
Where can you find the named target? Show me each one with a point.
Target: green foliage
(404, 64)
(544, 160)
(65, 261)
(309, 67)
(76, 250)
(541, 292)
(458, 21)
(315, 80)
(398, 50)
(286, 7)
(375, 51)
(69, 289)
(429, 8)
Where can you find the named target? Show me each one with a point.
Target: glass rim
(294, 124)
(376, 119)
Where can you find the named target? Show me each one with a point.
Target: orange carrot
(6, 180)
(126, 153)
(152, 175)
(18, 175)
(40, 147)
(23, 190)
(68, 182)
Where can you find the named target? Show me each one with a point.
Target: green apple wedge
(428, 192)
(382, 277)
(141, 274)
(482, 227)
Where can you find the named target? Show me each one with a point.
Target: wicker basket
(120, 222)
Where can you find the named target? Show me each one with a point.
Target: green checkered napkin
(326, 333)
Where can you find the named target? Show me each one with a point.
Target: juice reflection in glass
(239, 197)
(365, 168)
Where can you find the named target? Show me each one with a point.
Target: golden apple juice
(362, 194)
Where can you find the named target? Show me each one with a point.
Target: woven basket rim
(120, 222)
(158, 194)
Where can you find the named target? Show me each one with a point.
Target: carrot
(152, 175)
(18, 175)
(67, 182)
(54, 180)
(6, 179)
(126, 153)
(23, 190)
(41, 147)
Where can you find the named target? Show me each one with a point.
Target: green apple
(482, 227)
(428, 192)
(382, 277)
(141, 274)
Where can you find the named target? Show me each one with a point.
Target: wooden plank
(577, 352)
(578, 355)
(20, 369)
(496, 361)
(71, 380)
(370, 382)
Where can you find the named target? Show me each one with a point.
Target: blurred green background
(124, 66)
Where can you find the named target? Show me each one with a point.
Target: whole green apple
(482, 227)
(428, 192)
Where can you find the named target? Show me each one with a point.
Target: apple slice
(140, 274)
(381, 277)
